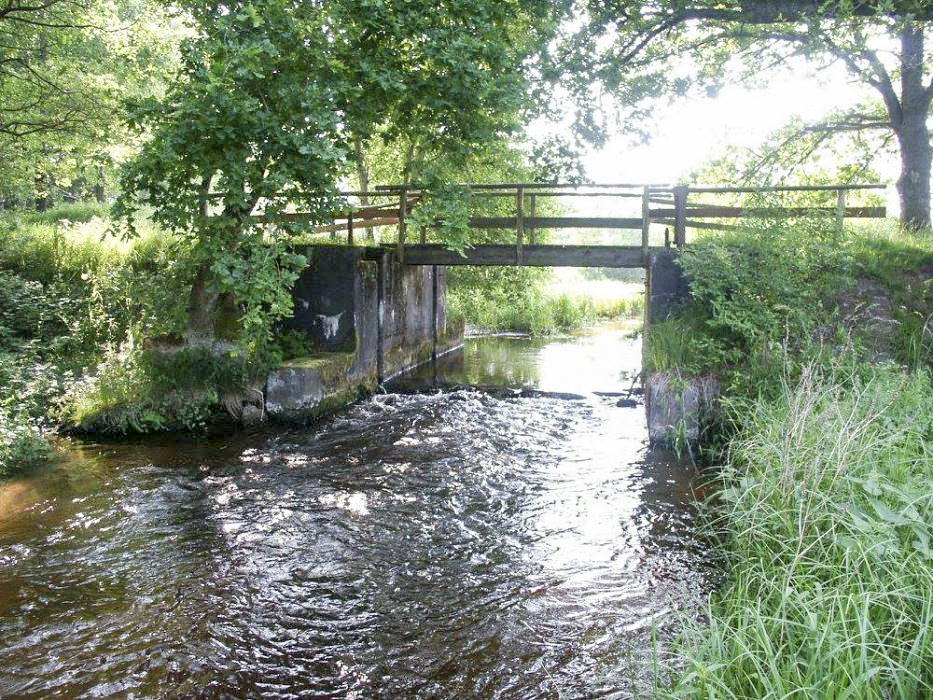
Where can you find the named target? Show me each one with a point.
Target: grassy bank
(825, 519)
(543, 306)
(76, 308)
(824, 456)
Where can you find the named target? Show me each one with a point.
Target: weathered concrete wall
(667, 287)
(676, 406)
(337, 303)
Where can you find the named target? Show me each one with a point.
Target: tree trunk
(202, 307)
(363, 172)
(913, 136)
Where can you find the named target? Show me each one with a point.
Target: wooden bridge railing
(666, 205)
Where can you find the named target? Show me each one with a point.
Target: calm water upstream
(460, 544)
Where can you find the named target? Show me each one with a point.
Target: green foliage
(75, 212)
(67, 64)
(67, 295)
(682, 344)
(89, 291)
(766, 286)
(260, 275)
(22, 445)
(824, 516)
(134, 391)
(443, 213)
(536, 310)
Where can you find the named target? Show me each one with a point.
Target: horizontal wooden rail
(753, 212)
(530, 255)
(524, 185)
(539, 222)
(781, 188)
(511, 193)
(679, 207)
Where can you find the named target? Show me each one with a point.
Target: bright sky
(698, 130)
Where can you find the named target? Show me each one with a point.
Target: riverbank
(90, 327)
(541, 302)
(823, 453)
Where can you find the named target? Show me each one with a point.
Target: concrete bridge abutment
(368, 318)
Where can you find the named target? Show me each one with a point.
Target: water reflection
(434, 545)
(605, 360)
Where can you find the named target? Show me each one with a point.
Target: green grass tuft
(825, 516)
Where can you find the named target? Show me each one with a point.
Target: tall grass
(539, 312)
(826, 519)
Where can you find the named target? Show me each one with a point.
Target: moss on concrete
(330, 365)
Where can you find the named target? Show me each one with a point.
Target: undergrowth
(71, 297)
(537, 311)
(825, 517)
(825, 501)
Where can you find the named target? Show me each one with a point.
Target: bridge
(373, 296)
(675, 208)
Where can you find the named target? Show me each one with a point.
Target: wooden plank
(788, 188)
(753, 212)
(840, 211)
(357, 222)
(680, 216)
(519, 223)
(706, 225)
(478, 186)
(531, 229)
(402, 224)
(532, 255)
(487, 194)
(645, 222)
(511, 222)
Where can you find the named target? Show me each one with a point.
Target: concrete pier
(369, 319)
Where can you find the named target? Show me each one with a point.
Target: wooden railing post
(840, 211)
(519, 223)
(645, 222)
(402, 224)
(531, 228)
(350, 228)
(680, 216)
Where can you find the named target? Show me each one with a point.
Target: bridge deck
(529, 255)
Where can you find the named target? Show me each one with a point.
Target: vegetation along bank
(822, 446)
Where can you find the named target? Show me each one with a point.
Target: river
(481, 541)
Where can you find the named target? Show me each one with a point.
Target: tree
(274, 96)
(64, 66)
(640, 49)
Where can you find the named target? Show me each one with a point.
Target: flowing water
(457, 544)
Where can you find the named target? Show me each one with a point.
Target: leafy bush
(768, 286)
(22, 445)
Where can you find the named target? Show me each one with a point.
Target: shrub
(22, 445)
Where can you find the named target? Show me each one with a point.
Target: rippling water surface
(459, 544)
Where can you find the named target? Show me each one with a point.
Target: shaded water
(457, 544)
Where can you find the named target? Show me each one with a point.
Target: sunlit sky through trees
(692, 132)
